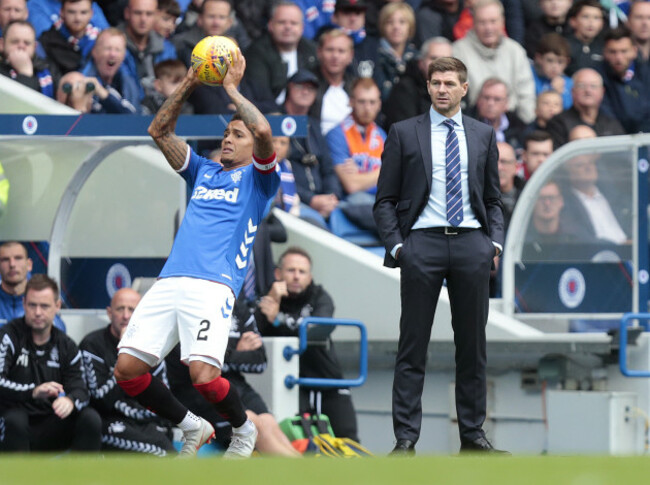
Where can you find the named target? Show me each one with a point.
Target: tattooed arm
(249, 114)
(163, 125)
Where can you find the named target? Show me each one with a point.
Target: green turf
(444, 470)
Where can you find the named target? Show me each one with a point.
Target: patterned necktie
(454, 192)
(249, 280)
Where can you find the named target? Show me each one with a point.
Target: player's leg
(14, 430)
(151, 334)
(204, 329)
(87, 431)
(128, 435)
(271, 440)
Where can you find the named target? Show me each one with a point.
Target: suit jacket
(405, 178)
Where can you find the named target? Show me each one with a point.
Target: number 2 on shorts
(205, 326)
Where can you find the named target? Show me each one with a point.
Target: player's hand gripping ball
(209, 59)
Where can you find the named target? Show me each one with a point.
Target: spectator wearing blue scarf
(350, 15)
(69, 42)
(107, 65)
(287, 197)
(11, 10)
(20, 63)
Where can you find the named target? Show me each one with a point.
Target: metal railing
(289, 352)
(643, 319)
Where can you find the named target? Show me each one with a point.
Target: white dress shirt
(435, 212)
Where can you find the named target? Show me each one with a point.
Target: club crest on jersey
(216, 194)
(236, 176)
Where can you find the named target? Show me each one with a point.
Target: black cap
(304, 76)
(351, 5)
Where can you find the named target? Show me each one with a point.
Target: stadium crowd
(541, 73)
(534, 66)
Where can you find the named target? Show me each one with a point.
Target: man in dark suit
(439, 213)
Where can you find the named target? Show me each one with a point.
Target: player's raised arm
(163, 125)
(249, 114)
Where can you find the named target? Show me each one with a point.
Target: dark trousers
(121, 434)
(80, 431)
(426, 259)
(336, 404)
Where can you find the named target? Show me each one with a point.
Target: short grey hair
(433, 40)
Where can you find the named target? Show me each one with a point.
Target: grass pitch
(429, 470)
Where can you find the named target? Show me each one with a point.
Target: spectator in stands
(20, 62)
(44, 13)
(15, 269)
(287, 198)
(587, 19)
(409, 97)
(11, 10)
(588, 93)
(546, 221)
(357, 143)
(437, 17)
(588, 209)
(511, 185)
(549, 104)
(554, 18)
(217, 17)
(318, 14)
(167, 14)
(639, 24)
(335, 54)
(316, 182)
(254, 16)
(126, 425)
(550, 230)
(145, 46)
(626, 81)
(538, 146)
(69, 41)
(551, 59)
(514, 27)
(350, 16)
(107, 65)
(276, 56)
(492, 109)
(397, 28)
(245, 354)
(87, 95)
(190, 16)
(169, 74)
(43, 397)
(293, 297)
(490, 54)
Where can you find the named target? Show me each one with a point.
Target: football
(209, 58)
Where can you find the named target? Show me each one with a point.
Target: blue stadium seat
(341, 226)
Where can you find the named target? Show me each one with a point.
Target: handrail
(289, 352)
(622, 350)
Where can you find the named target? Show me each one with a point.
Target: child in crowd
(169, 74)
(167, 14)
(553, 19)
(587, 19)
(549, 104)
(551, 59)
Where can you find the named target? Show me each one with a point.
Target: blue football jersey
(215, 240)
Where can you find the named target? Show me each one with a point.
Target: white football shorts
(193, 311)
